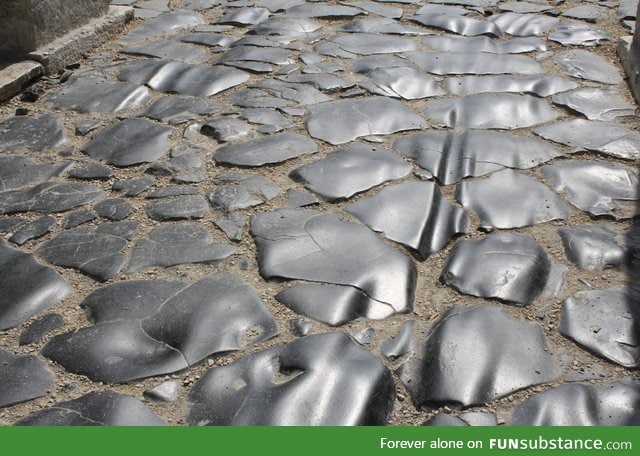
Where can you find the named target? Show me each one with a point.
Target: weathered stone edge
(632, 71)
(17, 76)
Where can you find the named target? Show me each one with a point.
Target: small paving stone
(76, 218)
(183, 168)
(164, 392)
(300, 198)
(48, 197)
(226, 129)
(84, 127)
(164, 24)
(353, 44)
(268, 150)
(170, 50)
(91, 171)
(135, 186)
(382, 25)
(475, 63)
(232, 225)
(36, 331)
(178, 207)
(245, 16)
(401, 344)
(175, 190)
(461, 25)
(579, 35)
(540, 85)
(177, 109)
(241, 191)
(9, 223)
(115, 209)
(300, 327)
(33, 230)
(37, 133)
(589, 13)
(595, 247)
(23, 378)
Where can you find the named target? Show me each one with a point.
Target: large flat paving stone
(579, 34)
(37, 133)
(517, 24)
(170, 50)
(597, 247)
(353, 44)
(407, 83)
(23, 378)
(178, 207)
(587, 65)
(164, 24)
(236, 191)
(267, 150)
(458, 24)
(48, 197)
(541, 85)
(477, 63)
(596, 104)
(18, 171)
(450, 43)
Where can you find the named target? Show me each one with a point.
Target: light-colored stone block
(16, 76)
(630, 60)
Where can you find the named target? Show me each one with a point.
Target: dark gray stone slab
(91, 171)
(216, 314)
(326, 82)
(17, 171)
(323, 10)
(78, 218)
(178, 207)
(461, 25)
(33, 230)
(36, 331)
(265, 116)
(475, 355)
(184, 168)
(463, 419)
(316, 247)
(414, 214)
(170, 50)
(216, 42)
(434, 8)
(353, 44)
(401, 344)
(597, 104)
(178, 77)
(300, 198)
(300, 327)
(589, 13)
(614, 404)
(164, 392)
(578, 34)
(135, 186)
(245, 16)
(448, 43)
(287, 27)
(516, 24)
(339, 122)
(505, 111)
(114, 209)
(605, 322)
(377, 9)
(232, 225)
(310, 382)
(303, 94)
(540, 85)
(95, 250)
(96, 94)
(37, 133)
(95, 409)
(508, 199)
(177, 244)
(273, 55)
(130, 142)
(175, 190)
(48, 197)
(510, 267)
(583, 64)
(477, 63)
(84, 127)
(451, 156)
(23, 378)
(382, 25)
(226, 129)
(526, 7)
(236, 191)
(594, 247)
(350, 170)
(599, 188)
(9, 223)
(164, 24)
(263, 151)
(401, 82)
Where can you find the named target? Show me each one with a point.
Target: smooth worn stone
(599, 188)
(583, 64)
(452, 156)
(33, 230)
(48, 197)
(178, 77)
(177, 109)
(605, 322)
(578, 34)
(303, 94)
(235, 191)
(605, 137)
(464, 419)
(130, 142)
(308, 382)
(185, 168)
(526, 7)
(400, 344)
(23, 378)
(78, 218)
(448, 43)
(510, 267)
(364, 336)
(164, 24)
(472, 356)
(377, 9)
(174, 244)
(36, 331)
(226, 129)
(401, 82)
(170, 50)
(540, 85)
(245, 16)
(414, 214)
(96, 94)
(115, 209)
(265, 116)
(576, 404)
(264, 151)
(250, 66)
(316, 247)
(434, 8)
(272, 55)
(589, 13)
(178, 207)
(37, 133)
(323, 10)
(300, 198)
(350, 170)
(353, 44)
(595, 247)
(94, 250)
(9, 223)
(232, 225)
(91, 171)
(135, 186)
(287, 28)
(504, 111)
(95, 409)
(254, 98)
(508, 199)
(84, 127)
(476, 63)
(461, 25)
(17, 171)
(217, 314)
(27, 287)
(596, 104)
(516, 24)
(340, 122)
(175, 190)
(164, 392)
(382, 25)
(300, 327)
(216, 42)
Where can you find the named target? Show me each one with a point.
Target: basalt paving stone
(216, 42)
(17, 171)
(382, 25)
(178, 207)
(325, 82)
(578, 35)
(170, 50)
(27, 287)
(583, 64)
(300, 327)
(164, 24)
(353, 44)
(164, 392)
(174, 244)
(322, 10)
(303, 94)
(265, 116)
(23, 378)
(400, 344)
(308, 382)
(597, 104)
(595, 247)
(94, 250)
(469, 3)
(178, 77)
(526, 7)
(36, 331)
(605, 322)
(451, 156)
(130, 142)
(614, 404)
(254, 98)
(463, 419)
(33, 230)
(484, 44)
(114, 209)
(605, 137)
(245, 16)
(432, 8)
(461, 25)
(219, 313)
(84, 127)
(232, 225)
(10, 223)
(273, 55)
(235, 191)
(226, 129)
(516, 24)
(540, 85)
(627, 9)
(510, 267)
(48, 197)
(401, 82)
(505, 111)
(185, 168)
(316, 247)
(263, 151)
(377, 9)
(176, 109)
(252, 67)
(508, 199)
(476, 63)
(91, 171)
(135, 186)
(589, 13)
(78, 218)
(474, 355)
(95, 409)
(287, 28)
(339, 122)
(350, 170)
(199, 5)
(39, 132)
(96, 94)
(175, 190)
